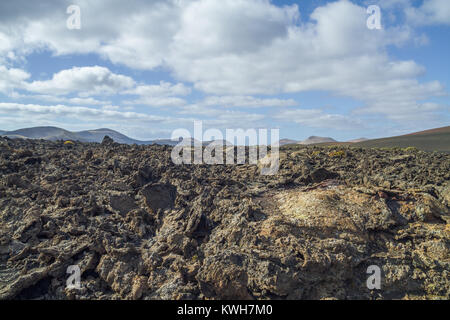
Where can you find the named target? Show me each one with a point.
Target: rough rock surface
(141, 227)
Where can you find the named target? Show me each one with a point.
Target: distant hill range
(97, 135)
(54, 133)
(316, 140)
(430, 140)
(284, 142)
(358, 140)
(311, 140)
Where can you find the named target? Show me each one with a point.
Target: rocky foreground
(140, 227)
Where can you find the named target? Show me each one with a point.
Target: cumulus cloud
(81, 113)
(315, 118)
(220, 117)
(247, 102)
(84, 80)
(235, 120)
(162, 95)
(231, 27)
(89, 81)
(430, 12)
(309, 56)
(157, 101)
(135, 33)
(231, 49)
(11, 79)
(164, 89)
(60, 99)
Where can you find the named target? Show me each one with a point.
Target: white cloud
(135, 33)
(312, 56)
(12, 78)
(223, 118)
(157, 101)
(164, 94)
(247, 102)
(164, 89)
(315, 118)
(81, 113)
(6, 48)
(60, 99)
(88, 81)
(214, 28)
(235, 119)
(232, 49)
(83, 80)
(430, 12)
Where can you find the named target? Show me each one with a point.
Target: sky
(147, 68)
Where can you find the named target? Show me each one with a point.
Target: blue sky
(146, 68)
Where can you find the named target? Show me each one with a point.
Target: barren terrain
(140, 227)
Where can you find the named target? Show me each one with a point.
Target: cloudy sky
(145, 68)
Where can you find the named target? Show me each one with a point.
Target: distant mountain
(192, 141)
(47, 133)
(97, 135)
(429, 140)
(217, 142)
(166, 142)
(54, 133)
(284, 142)
(442, 130)
(315, 140)
(358, 140)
